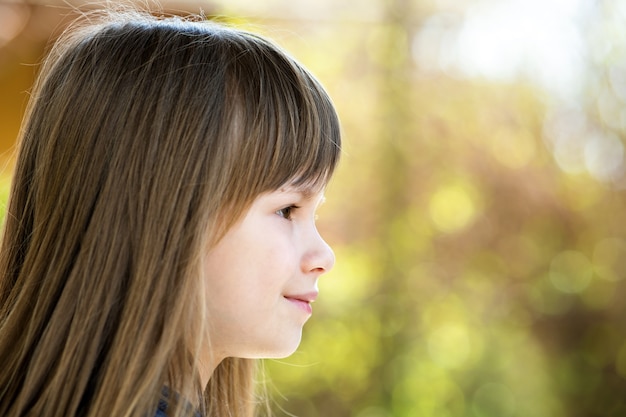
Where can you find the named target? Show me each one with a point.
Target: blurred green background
(478, 216)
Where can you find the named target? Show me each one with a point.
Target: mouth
(309, 297)
(303, 301)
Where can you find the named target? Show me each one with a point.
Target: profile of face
(262, 276)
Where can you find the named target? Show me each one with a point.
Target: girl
(160, 231)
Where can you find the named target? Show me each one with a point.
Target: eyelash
(287, 212)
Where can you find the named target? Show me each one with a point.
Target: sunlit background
(479, 214)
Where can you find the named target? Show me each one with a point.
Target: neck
(206, 367)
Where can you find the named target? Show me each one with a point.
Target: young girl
(160, 231)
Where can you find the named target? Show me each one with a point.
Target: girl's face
(261, 277)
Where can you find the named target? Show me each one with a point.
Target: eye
(287, 212)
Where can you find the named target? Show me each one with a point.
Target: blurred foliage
(480, 234)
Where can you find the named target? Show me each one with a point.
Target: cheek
(239, 277)
(280, 255)
(268, 268)
(263, 276)
(221, 269)
(251, 266)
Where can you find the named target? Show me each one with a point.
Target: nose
(319, 258)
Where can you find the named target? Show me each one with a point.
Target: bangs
(288, 129)
(318, 142)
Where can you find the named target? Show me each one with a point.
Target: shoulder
(160, 413)
(162, 408)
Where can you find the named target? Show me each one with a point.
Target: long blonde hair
(144, 141)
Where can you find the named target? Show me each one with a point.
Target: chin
(282, 350)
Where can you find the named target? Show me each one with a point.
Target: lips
(303, 301)
(306, 297)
